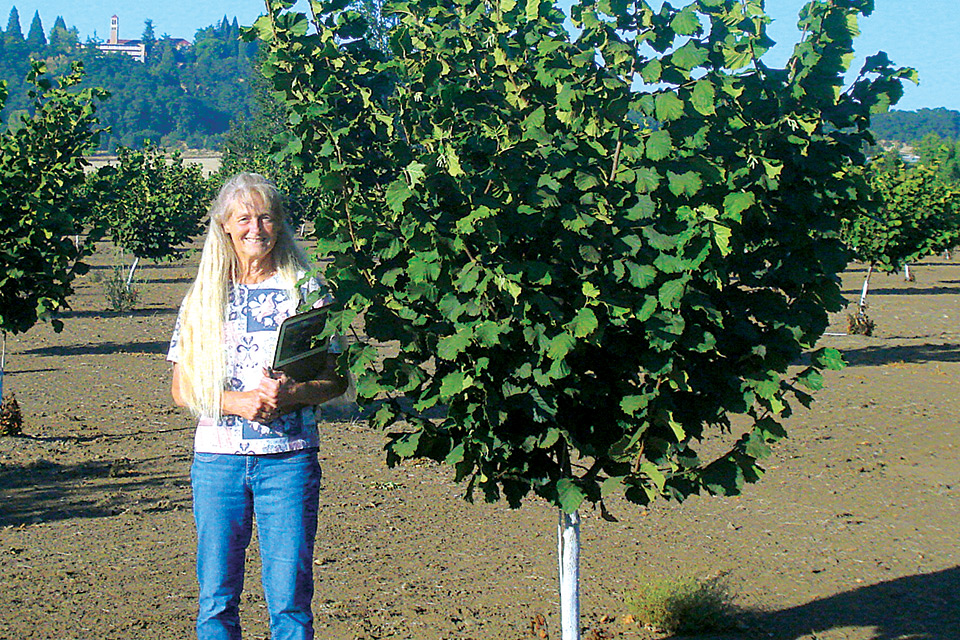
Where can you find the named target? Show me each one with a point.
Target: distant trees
(911, 126)
(916, 215)
(184, 95)
(943, 154)
(36, 40)
(41, 170)
(150, 203)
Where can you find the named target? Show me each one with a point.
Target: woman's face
(253, 230)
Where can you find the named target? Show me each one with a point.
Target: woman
(256, 441)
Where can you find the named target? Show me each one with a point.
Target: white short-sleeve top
(254, 314)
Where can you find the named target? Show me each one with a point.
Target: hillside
(911, 126)
(182, 94)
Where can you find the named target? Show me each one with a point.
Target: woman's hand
(277, 394)
(258, 405)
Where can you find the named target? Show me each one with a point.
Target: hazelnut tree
(591, 250)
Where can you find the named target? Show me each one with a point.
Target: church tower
(114, 30)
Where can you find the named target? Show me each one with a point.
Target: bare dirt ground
(853, 533)
(209, 161)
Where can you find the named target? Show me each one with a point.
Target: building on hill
(133, 48)
(136, 49)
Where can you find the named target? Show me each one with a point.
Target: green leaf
(811, 378)
(584, 323)
(456, 455)
(632, 404)
(829, 358)
(585, 181)
(449, 347)
(533, 9)
(721, 236)
(560, 346)
(570, 495)
(414, 174)
(659, 145)
(671, 292)
(704, 97)
(397, 193)
(651, 71)
(688, 183)
(454, 383)
(668, 106)
(690, 56)
(611, 486)
(686, 22)
(406, 445)
(734, 204)
(641, 276)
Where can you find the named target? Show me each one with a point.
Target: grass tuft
(120, 297)
(683, 605)
(11, 420)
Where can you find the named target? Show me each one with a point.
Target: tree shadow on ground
(11, 371)
(914, 291)
(916, 354)
(169, 280)
(135, 313)
(919, 607)
(45, 491)
(102, 349)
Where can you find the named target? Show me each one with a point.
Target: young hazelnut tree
(150, 203)
(41, 200)
(591, 251)
(915, 214)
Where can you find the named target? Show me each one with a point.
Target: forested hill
(187, 94)
(183, 94)
(911, 126)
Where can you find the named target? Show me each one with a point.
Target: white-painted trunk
(906, 273)
(3, 359)
(568, 553)
(863, 292)
(133, 268)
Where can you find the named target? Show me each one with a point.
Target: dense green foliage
(41, 171)
(916, 215)
(182, 95)
(150, 203)
(911, 126)
(578, 299)
(941, 154)
(250, 145)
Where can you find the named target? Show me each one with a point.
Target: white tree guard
(568, 553)
(863, 291)
(133, 268)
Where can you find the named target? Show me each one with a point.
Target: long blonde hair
(201, 358)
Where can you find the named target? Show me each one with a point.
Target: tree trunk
(3, 359)
(906, 273)
(133, 268)
(568, 552)
(862, 307)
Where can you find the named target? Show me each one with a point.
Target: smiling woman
(252, 228)
(256, 441)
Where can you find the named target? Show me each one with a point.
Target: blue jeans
(282, 491)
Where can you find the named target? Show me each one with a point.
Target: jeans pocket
(205, 457)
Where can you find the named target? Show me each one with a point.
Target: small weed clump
(683, 605)
(860, 324)
(122, 298)
(11, 420)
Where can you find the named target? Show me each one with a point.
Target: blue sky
(923, 34)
